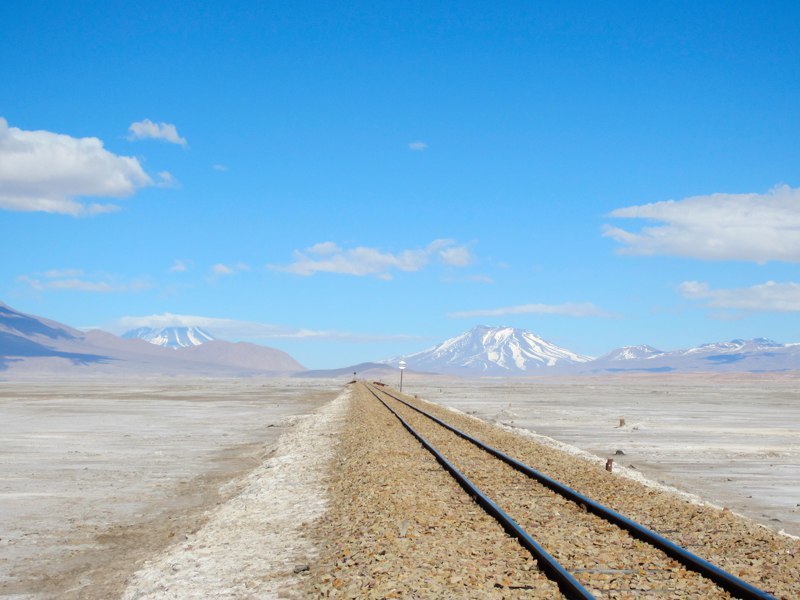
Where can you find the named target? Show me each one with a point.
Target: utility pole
(402, 365)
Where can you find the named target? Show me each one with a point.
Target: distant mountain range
(507, 351)
(756, 355)
(170, 337)
(34, 346)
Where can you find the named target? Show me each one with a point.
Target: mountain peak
(171, 337)
(492, 351)
(632, 353)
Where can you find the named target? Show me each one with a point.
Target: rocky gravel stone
(399, 526)
(758, 555)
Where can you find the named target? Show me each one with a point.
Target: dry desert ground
(169, 488)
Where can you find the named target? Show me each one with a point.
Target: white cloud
(749, 227)
(220, 269)
(147, 129)
(57, 273)
(473, 278)
(78, 281)
(328, 257)
(480, 279)
(417, 146)
(324, 248)
(180, 266)
(46, 172)
(764, 297)
(219, 167)
(233, 329)
(584, 309)
(456, 256)
(167, 180)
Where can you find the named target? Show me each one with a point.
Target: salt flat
(108, 485)
(96, 476)
(734, 440)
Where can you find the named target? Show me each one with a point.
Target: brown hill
(34, 346)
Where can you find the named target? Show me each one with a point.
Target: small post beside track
(402, 366)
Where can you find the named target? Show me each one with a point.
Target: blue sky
(352, 181)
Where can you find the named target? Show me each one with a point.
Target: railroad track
(589, 550)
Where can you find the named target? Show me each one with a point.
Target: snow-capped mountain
(756, 355)
(491, 351)
(732, 347)
(506, 351)
(170, 337)
(631, 353)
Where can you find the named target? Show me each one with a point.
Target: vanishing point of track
(586, 548)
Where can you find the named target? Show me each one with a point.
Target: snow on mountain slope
(171, 337)
(756, 355)
(491, 351)
(734, 346)
(631, 353)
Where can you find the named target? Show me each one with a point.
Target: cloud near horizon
(77, 280)
(148, 130)
(248, 330)
(328, 257)
(570, 309)
(748, 227)
(45, 172)
(765, 297)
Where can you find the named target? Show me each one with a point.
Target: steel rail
(730, 583)
(569, 586)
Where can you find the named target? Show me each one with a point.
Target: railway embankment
(399, 526)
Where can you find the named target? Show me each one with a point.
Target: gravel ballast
(399, 526)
